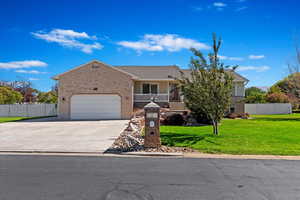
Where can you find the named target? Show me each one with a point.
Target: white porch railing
(147, 97)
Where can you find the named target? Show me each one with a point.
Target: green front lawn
(265, 134)
(12, 119)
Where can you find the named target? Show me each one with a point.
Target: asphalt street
(36, 177)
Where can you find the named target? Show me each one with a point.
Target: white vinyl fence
(27, 110)
(268, 108)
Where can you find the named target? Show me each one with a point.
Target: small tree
(208, 90)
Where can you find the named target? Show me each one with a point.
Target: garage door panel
(96, 107)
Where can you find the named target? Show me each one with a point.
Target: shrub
(277, 97)
(244, 115)
(201, 118)
(233, 116)
(174, 119)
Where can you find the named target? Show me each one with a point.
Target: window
(150, 88)
(153, 89)
(146, 88)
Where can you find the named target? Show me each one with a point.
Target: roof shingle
(168, 72)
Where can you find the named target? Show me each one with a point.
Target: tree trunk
(215, 127)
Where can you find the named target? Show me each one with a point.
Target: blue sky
(39, 39)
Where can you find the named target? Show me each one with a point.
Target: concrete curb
(154, 154)
(49, 152)
(93, 154)
(240, 157)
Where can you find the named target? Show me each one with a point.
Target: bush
(277, 97)
(174, 119)
(238, 115)
(233, 115)
(201, 118)
(244, 115)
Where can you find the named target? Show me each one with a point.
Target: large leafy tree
(9, 95)
(290, 86)
(208, 90)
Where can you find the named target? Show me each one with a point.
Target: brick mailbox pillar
(152, 134)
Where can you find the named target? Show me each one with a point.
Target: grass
(264, 135)
(13, 119)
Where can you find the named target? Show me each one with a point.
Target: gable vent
(95, 66)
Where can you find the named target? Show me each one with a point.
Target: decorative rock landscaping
(131, 139)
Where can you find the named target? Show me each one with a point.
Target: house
(96, 90)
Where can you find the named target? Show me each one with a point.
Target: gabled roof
(56, 77)
(162, 73)
(167, 72)
(152, 72)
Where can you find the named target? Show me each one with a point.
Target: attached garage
(95, 91)
(95, 106)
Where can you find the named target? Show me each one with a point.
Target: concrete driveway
(50, 135)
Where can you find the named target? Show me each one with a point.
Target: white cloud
(168, 42)
(22, 64)
(230, 58)
(69, 38)
(219, 4)
(241, 8)
(30, 71)
(256, 57)
(33, 79)
(253, 68)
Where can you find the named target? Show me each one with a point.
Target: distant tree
(294, 66)
(54, 88)
(291, 87)
(256, 98)
(9, 95)
(274, 89)
(253, 90)
(277, 97)
(47, 97)
(26, 89)
(209, 88)
(291, 84)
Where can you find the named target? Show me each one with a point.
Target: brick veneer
(95, 78)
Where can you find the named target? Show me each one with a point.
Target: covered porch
(166, 93)
(162, 91)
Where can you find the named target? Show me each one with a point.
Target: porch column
(168, 91)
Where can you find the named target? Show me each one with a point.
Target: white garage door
(100, 106)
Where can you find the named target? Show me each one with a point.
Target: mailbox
(152, 135)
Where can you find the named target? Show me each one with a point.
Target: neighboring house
(100, 91)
